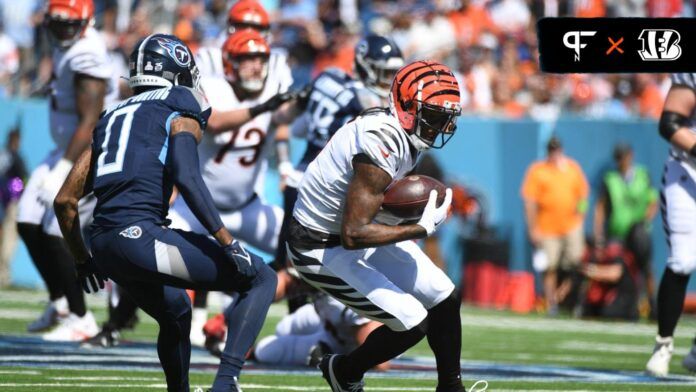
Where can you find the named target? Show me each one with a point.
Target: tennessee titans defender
(140, 150)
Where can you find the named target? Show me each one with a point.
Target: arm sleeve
(184, 168)
(189, 103)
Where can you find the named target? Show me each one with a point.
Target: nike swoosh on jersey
(384, 153)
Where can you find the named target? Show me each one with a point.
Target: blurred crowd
(491, 43)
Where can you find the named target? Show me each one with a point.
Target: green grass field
(511, 352)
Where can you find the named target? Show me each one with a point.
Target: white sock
(61, 305)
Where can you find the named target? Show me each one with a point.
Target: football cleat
(317, 352)
(689, 361)
(51, 316)
(658, 365)
(73, 329)
(328, 371)
(105, 338)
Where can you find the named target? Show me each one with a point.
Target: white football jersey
(87, 56)
(234, 162)
(689, 162)
(322, 192)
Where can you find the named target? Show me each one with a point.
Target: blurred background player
(555, 194)
(133, 174)
(625, 207)
(678, 204)
(324, 326)
(372, 268)
(242, 15)
(234, 160)
(82, 83)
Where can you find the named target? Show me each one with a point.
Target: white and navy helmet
(377, 59)
(162, 60)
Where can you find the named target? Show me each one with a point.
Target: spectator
(18, 20)
(12, 174)
(555, 193)
(650, 98)
(626, 205)
(9, 63)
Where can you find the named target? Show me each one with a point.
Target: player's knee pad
(266, 278)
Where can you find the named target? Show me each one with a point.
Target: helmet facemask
(65, 32)
(435, 122)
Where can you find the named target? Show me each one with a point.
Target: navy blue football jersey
(335, 99)
(129, 155)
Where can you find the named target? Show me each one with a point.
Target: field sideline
(512, 352)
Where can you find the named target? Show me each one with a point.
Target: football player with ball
(375, 269)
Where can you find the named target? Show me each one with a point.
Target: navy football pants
(155, 265)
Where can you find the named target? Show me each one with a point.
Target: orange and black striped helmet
(425, 98)
(67, 20)
(238, 46)
(248, 14)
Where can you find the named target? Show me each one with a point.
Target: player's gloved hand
(90, 276)
(433, 216)
(291, 176)
(272, 103)
(54, 181)
(303, 97)
(239, 256)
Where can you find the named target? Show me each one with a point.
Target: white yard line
(30, 372)
(565, 326)
(583, 345)
(97, 378)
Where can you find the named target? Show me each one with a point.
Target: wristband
(256, 110)
(62, 168)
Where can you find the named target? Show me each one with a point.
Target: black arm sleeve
(670, 122)
(183, 166)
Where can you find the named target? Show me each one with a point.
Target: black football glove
(272, 103)
(303, 97)
(241, 259)
(89, 276)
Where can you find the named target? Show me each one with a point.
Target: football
(407, 197)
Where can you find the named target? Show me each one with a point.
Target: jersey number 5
(115, 141)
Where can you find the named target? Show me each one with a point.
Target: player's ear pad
(405, 118)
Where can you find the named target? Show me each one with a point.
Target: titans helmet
(377, 59)
(162, 60)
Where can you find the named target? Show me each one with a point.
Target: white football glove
(433, 215)
(54, 181)
(291, 176)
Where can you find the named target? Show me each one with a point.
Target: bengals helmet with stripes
(425, 98)
(240, 46)
(67, 20)
(248, 14)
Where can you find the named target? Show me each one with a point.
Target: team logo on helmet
(176, 50)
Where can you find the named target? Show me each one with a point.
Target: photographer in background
(626, 205)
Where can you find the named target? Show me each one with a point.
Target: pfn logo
(575, 44)
(660, 45)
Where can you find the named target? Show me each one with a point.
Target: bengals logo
(660, 45)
